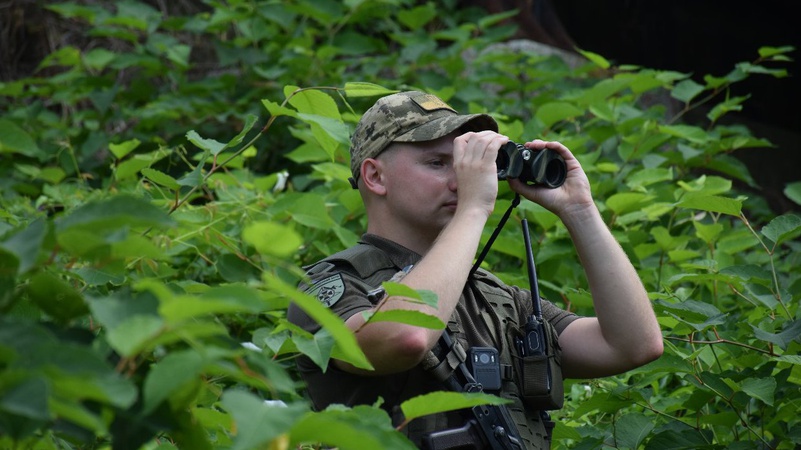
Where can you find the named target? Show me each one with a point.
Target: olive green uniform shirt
(477, 321)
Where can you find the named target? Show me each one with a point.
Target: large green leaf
(57, 298)
(272, 238)
(27, 398)
(228, 299)
(134, 334)
(783, 339)
(362, 89)
(443, 401)
(761, 388)
(713, 204)
(631, 430)
(14, 139)
(552, 113)
(408, 317)
(29, 243)
(345, 340)
(258, 423)
(350, 429)
(782, 228)
(169, 375)
(115, 212)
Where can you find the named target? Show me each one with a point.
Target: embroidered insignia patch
(328, 290)
(431, 103)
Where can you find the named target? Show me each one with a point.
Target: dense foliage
(164, 176)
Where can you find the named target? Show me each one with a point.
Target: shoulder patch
(328, 290)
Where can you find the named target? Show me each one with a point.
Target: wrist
(579, 216)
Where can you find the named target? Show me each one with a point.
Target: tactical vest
(371, 266)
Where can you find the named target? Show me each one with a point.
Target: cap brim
(443, 126)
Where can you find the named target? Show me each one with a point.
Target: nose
(452, 180)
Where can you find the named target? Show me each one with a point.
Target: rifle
(490, 426)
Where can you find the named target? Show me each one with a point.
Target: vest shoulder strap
(363, 259)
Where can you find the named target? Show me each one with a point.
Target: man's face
(421, 183)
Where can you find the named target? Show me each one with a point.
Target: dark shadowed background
(699, 37)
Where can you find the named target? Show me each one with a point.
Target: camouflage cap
(408, 117)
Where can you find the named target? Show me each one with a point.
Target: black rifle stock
(491, 426)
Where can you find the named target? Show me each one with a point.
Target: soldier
(429, 181)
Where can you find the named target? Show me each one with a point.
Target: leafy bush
(162, 185)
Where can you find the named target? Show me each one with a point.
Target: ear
(372, 174)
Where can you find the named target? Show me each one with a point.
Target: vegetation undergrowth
(165, 176)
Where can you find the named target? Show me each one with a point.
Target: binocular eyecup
(542, 167)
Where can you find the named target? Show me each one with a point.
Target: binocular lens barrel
(544, 167)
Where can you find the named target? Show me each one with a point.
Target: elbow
(400, 352)
(412, 347)
(650, 351)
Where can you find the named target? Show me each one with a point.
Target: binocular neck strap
(485, 250)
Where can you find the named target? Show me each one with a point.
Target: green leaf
(29, 243)
(783, 339)
(762, 388)
(161, 178)
(749, 273)
(553, 112)
(362, 427)
(14, 139)
(597, 59)
(632, 429)
(768, 52)
(27, 399)
(132, 336)
(328, 132)
(195, 177)
(310, 210)
(603, 402)
(174, 371)
(782, 228)
(77, 414)
(277, 110)
(343, 336)
(686, 90)
(417, 17)
(730, 104)
(693, 312)
(312, 102)
(408, 317)
(258, 423)
(272, 238)
(691, 133)
(424, 296)
(443, 401)
(55, 297)
(119, 211)
(793, 191)
(684, 439)
(112, 311)
(250, 121)
(363, 89)
(792, 359)
(123, 148)
(625, 202)
(210, 145)
(227, 299)
(319, 348)
(713, 203)
(133, 166)
(98, 58)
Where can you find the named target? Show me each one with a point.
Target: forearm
(626, 326)
(393, 346)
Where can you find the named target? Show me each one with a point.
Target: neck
(414, 240)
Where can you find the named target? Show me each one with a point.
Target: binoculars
(544, 167)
